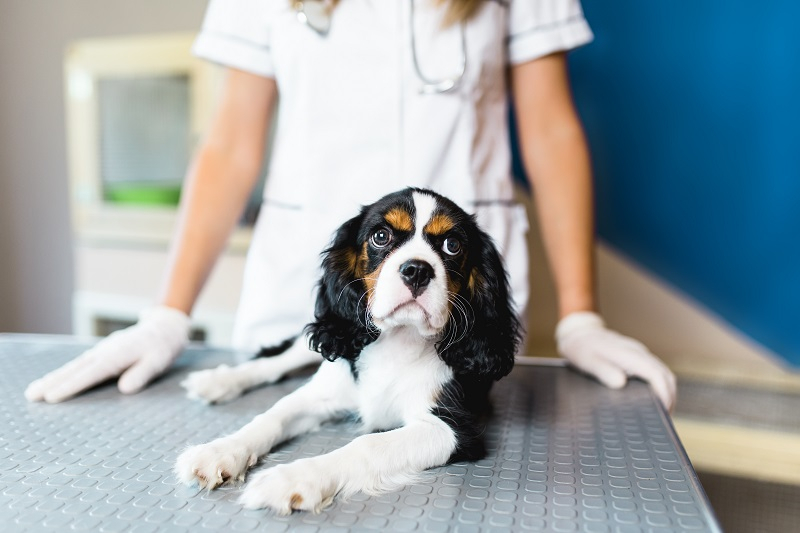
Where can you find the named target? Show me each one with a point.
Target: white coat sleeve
(541, 27)
(236, 33)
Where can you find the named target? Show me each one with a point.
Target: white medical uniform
(353, 126)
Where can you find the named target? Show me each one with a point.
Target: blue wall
(693, 114)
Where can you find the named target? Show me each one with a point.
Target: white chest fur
(400, 378)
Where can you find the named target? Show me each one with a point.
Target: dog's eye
(451, 246)
(381, 238)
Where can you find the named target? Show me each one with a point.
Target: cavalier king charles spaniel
(414, 321)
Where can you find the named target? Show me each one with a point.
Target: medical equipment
(317, 14)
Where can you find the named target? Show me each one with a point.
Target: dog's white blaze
(428, 313)
(425, 206)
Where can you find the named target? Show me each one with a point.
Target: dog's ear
(482, 338)
(340, 328)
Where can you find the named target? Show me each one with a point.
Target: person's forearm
(558, 164)
(213, 198)
(556, 159)
(219, 182)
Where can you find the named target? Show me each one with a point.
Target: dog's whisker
(358, 303)
(462, 306)
(456, 272)
(368, 322)
(347, 285)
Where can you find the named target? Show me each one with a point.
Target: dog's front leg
(372, 463)
(224, 383)
(328, 394)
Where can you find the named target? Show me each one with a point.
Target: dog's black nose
(416, 275)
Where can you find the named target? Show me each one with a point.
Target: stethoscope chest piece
(316, 14)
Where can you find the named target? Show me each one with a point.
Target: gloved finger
(139, 375)
(663, 390)
(37, 389)
(607, 373)
(668, 393)
(641, 363)
(92, 374)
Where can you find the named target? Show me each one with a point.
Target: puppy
(415, 323)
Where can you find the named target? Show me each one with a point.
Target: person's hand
(585, 342)
(137, 354)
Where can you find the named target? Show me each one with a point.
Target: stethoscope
(316, 14)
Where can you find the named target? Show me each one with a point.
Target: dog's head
(414, 259)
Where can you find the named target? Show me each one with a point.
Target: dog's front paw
(215, 385)
(297, 486)
(212, 464)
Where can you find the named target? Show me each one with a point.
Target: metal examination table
(565, 454)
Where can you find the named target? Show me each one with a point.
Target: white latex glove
(583, 340)
(137, 354)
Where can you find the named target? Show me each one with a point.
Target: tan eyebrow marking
(439, 224)
(399, 219)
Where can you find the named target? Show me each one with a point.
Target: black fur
(340, 328)
(272, 351)
(464, 406)
(493, 330)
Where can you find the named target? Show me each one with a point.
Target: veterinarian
(371, 97)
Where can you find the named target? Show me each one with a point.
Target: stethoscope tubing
(428, 86)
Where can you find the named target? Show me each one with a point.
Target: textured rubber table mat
(565, 454)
